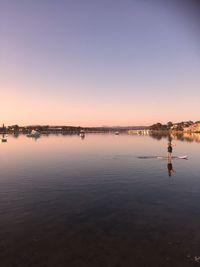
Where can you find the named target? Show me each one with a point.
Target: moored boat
(34, 133)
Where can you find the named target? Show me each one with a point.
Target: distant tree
(169, 125)
(179, 127)
(15, 128)
(158, 127)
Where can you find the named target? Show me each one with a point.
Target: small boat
(34, 133)
(82, 134)
(116, 133)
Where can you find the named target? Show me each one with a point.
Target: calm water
(65, 201)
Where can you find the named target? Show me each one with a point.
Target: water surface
(67, 201)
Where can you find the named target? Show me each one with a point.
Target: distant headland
(185, 126)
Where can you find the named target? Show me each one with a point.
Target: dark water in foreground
(71, 202)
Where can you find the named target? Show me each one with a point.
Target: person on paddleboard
(170, 150)
(169, 147)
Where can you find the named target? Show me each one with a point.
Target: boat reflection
(82, 136)
(3, 138)
(34, 134)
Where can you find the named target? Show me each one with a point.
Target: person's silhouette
(169, 148)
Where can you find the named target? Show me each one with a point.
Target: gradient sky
(94, 63)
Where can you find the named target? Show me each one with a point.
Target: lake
(67, 201)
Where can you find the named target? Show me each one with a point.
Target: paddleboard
(174, 157)
(162, 157)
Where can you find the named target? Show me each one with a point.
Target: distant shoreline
(67, 129)
(188, 126)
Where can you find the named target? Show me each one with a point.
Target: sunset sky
(94, 63)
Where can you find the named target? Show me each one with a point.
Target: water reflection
(170, 167)
(185, 137)
(16, 135)
(94, 203)
(3, 138)
(82, 136)
(188, 137)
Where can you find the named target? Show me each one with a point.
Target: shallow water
(67, 201)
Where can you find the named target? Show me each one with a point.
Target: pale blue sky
(99, 62)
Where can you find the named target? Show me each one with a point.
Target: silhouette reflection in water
(170, 167)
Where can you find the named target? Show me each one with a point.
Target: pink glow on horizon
(29, 109)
